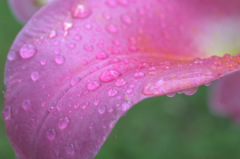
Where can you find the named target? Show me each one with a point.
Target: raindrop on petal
(81, 11)
(120, 82)
(70, 149)
(60, 59)
(27, 51)
(35, 76)
(51, 134)
(6, 113)
(112, 92)
(102, 110)
(112, 28)
(26, 104)
(109, 75)
(93, 85)
(63, 123)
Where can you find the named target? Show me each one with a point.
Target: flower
(78, 66)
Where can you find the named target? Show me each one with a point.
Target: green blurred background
(159, 128)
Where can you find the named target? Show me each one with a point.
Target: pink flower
(78, 66)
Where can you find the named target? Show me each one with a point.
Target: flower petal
(78, 66)
(225, 99)
(24, 9)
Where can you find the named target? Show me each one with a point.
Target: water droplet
(60, 59)
(129, 91)
(102, 56)
(112, 92)
(77, 37)
(6, 113)
(93, 85)
(67, 26)
(139, 75)
(109, 75)
(190, 91)
(111, 3)
(52, 34)
(126, 19)
(74, 81)
(81, 11)
(84, 62)
(125, 106)
(120, 82)
(70, 149)
(11, 55)
(43, 62)
(63, 123)
(112, 28)
(102, 110)
(26, 104)
(171, 94)
(88, 26)
(35, 76)
(85, 105)
(88, 48)
(51, 134)
(96, 102)
(27, 51)
(123, 2)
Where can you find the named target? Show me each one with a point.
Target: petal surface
(225, 99)
(25, 9)
(78, 66)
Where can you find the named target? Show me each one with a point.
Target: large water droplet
(60, 59)
(27, 51)
(26, 104)
(51, 134)
(70, 149)
(109, 75)
(81, 11)
(102, 110)
(6, 113)
(63, 123)
(112, 92)
(93, 85)
(35, 76)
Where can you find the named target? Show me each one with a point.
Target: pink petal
(225, 99)
(76, 68)
(24, 9)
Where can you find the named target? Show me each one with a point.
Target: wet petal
(75, 69)
(25, 9)
(225, 99)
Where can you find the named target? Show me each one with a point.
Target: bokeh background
(158, 128)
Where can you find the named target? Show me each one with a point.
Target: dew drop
(102, 110)
(139, 75)
(88, 48)
(70, 149)
(85, 105)
(74, 81)
(125, 106)
(112, 92)
(109, 75)
(81, 11)
(190, 91)
(126, 19)
(120, 82)
(77, 37)
(26, 104)
(35, 76)
(63, 123)
(43, 62)
(51, 134)
(11, 55)
(67, 26)
(171, 94)
(6, 113)
(27, 51)
(60, 59)
(93, 85)
(102, 56)
(96, 102)
(112, 28)
(129, 91)
(52, 34)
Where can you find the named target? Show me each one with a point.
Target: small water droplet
(35, 76)
(70, 149)
(26, 104)
(88, 26)
(63, 123)
(43, 62)
(112, 28)
(102, 56)
(171, 94)
(74, 81)
(88, 47)
(129, 91)
(102, 110)
(96, 102)
(112, 92)
(52, 34)
(93, 85)
(11, 55)
(51, 134)
(139, 75)
(81, 11)
(125, 106)
(60, 59)
(120, 82)
(67, 26)
(77, 37)
(109, 75)
(6, 113)
(111, 3)
(27, 51)
(126, 19)
(85, 105)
